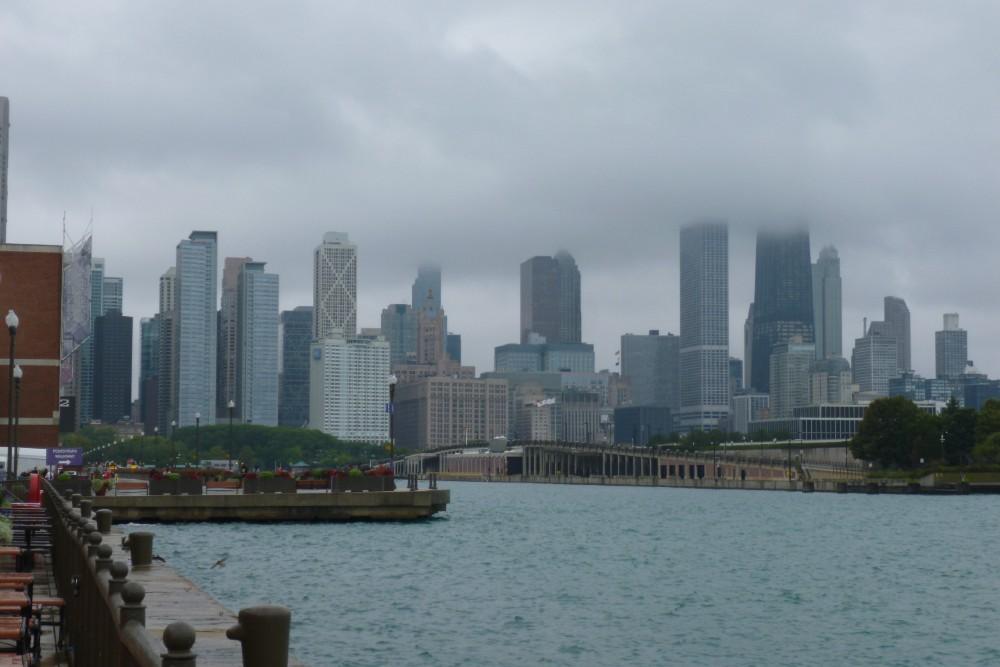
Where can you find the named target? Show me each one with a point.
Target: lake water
(573, 575)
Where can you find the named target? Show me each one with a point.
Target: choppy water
(565, 575)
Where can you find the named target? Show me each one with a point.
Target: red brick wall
(31, 284)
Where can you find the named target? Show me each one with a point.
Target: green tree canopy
(988, 420)
(958, 433)
(896, 433)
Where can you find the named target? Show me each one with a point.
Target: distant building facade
(789, 381)
(349, 388)
(951, 348)
(257, 345)
(453, 347)
(335, 287)
(196, 343)
(651, 364)
(638, 424)
(293, 393)
(831, 382)
(113, 368)
(550, 299)
(748, 407)
(449, 412)
(226, 357)
(149, 368)
(546, 357)
(704, 337)
(399, 327)
(783, 294)
(874, 362)
(827, 304)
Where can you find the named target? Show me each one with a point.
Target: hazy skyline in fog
(477, 135)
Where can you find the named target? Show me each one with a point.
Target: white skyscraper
(257, 345)
(196, 328)
(704, 344)
(349, 388)
(335, 287)
(4, 156)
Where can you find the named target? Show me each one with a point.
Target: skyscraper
(782, 298)
(149, 364)
(550, 300)
(293, 397)
(827, 304)
(335, 287)
(112, 367)
(399, 326)
(651, 363)
(257, 345)
(166, 381)
(86, 406)
(874, 361)
(897, 325)
(951, 349)
(426, 292)
(789, 376)
(453, 347)
(113, 295)
(196, 329)
(349, 388)
(4, 157)
(704, 339)
(228, 325)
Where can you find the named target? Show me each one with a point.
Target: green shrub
(172, 476)
(355, 472)
(6, 532)
(267, 474)
(64, 477)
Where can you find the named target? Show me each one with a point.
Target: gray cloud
(479, 134)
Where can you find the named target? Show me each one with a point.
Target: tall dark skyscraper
(113, 367)
(827, 304)
(951, 349)
(293, 390)
(897, 322)
(704, 344)
(651, 363)
(783, 298)
(550, 299)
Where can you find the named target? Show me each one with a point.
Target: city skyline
(519, 154)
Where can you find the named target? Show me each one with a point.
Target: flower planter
(68, 487)
(358, 484)
(231, 484)
(312, 484)
(269, 485)
(175, 487)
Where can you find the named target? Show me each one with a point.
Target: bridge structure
(589, 463)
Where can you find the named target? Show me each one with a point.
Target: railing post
(103, 561)
(178, 638)
(132, 608)
(94, 540)
(263, 631)
(104, 521)
(85, 507)
(75, 499)
(119, 577)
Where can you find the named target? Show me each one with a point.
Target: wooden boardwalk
(171, 597)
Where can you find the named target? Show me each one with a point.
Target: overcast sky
(480, 134)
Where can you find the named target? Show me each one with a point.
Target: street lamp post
(230, 405)
(197, 441)
(12, 321)
(18, 373)
(392, 420)
(173, 442)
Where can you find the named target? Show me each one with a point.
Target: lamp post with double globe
(230, 405)
(197, 440)
(18, 374)
(12, 322)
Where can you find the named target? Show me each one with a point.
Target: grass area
(6, 531)
(979, 473)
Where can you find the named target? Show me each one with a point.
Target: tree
(895, 433)
(988, 420)
(988, 451)
(958, 433)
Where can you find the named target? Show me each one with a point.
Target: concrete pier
(367, 506)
